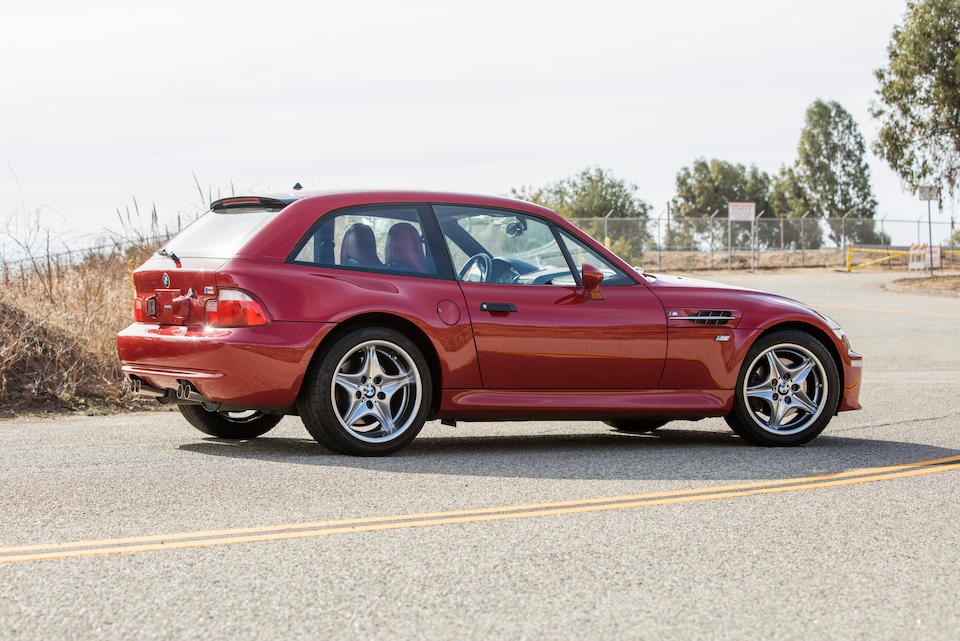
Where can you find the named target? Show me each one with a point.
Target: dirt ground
(935, 285)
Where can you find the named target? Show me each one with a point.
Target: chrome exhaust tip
(187, 394)
(137, 387)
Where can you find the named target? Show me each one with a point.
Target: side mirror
(591, 277)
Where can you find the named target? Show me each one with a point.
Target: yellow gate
(885, 254)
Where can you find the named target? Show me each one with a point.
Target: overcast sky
(104, 102)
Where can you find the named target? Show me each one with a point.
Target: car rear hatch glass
(222, 231)
(174, 287)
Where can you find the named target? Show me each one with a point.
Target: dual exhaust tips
(185, 394)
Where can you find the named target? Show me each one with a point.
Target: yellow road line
(185, 540)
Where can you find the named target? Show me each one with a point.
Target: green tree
(797, 220)
(833, 171)
(919, 96)
(604, 206)
(704, 190)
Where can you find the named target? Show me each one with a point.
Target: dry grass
(939, 284)
(58, 324)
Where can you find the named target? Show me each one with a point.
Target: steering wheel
(483, 262)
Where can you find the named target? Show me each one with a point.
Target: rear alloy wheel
(787, 391)
(636, 425)
(240, 425)
(369, 394)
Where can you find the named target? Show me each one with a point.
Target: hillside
(57, 329)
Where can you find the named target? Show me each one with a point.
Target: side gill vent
(708, 317)
(712, 317)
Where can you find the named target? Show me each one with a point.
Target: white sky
(103, 102)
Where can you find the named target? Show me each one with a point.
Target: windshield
(217, 234)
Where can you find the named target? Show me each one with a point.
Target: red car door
(552, 337)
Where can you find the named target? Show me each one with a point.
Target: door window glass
(496, 246)
(581, 253)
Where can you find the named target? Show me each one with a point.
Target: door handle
(498, 307)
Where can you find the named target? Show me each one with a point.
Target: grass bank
(58, 321)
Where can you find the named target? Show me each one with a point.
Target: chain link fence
(45, 261)
(718, 243)
(688, 244)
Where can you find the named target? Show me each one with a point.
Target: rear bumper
(257, 367)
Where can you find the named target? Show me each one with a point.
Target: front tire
(787, 391)
(368, 394)
(239, 425)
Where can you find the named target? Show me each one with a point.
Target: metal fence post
(710, 223)
(659, 247)
(729, 245)
(803, 241)
(755, 240)
(843, 231)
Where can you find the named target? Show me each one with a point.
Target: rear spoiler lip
(240, 202)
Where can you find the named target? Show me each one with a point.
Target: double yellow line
(184, 540)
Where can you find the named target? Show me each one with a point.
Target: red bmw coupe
(369, 313)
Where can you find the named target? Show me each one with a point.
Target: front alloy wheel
(787, 391)
(369, 394)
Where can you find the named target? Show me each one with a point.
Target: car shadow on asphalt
(667, 454)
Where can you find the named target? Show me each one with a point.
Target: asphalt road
(514, 530)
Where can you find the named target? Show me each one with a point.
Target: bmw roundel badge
(166, 279)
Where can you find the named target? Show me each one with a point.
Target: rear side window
(389, 239)
(219, 234)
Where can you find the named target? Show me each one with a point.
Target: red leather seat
(359, 247)
(404, 249)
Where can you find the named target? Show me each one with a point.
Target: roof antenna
(297, 187)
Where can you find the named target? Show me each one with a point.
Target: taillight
(234, 308)
(138, 314)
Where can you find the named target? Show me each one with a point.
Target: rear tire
(787, 391)
(368, 394)
(238, 425)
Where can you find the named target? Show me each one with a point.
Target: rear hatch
(178, 285)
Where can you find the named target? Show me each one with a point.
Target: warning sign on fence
(741, 211)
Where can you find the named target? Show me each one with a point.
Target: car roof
(344, 198)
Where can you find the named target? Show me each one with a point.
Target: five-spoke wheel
(368, 394)
(787, 391)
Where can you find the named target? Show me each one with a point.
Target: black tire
(368, 394)
(637, 425)
(240, 425)
(787, 391)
